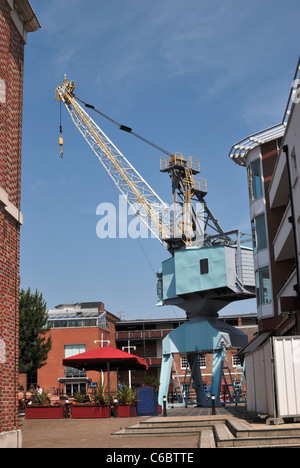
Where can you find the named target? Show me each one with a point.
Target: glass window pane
(72, 350)
(257, 287)
(265, 285)
(255, 180)
(261, 235)
(253, 230)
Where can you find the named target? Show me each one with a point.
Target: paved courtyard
(93, 433)
(96, 433)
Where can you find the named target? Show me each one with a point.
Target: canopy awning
(97, 360)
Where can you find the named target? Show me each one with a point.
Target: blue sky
(194, 76)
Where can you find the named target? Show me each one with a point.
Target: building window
(294, 169)
(201, 359)
(204, 266)
(263, 286)
(236, 361)
(72, 350)
(255, 180)
(259, 235)
(73, 388)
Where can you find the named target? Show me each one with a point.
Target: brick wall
(11, 80)
(53, 370)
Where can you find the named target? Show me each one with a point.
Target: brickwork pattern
(11, 79)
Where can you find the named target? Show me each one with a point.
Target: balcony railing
(142, 334)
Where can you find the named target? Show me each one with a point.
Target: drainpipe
(293, 222)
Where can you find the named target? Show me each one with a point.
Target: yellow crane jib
(147, 205)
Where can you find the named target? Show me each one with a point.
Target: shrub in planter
(99, 407)
(44, 412)
(90, 411)
(152, 381)
(100, 396)
(127, 397)
(41, 408)
(126, 411)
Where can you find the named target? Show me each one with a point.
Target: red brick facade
(11, 76)
(51, 375)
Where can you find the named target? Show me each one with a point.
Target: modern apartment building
(16, 20)
(272, 159)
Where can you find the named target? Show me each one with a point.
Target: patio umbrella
(106, 359)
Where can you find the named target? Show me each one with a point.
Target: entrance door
(75, 387)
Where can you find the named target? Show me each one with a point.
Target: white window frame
(201, 358)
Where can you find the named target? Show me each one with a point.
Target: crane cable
(123, 127)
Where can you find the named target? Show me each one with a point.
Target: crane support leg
(197, 380)
(193, 338)
(166, 368)
(217, 374)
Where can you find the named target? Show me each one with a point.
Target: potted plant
(151, 381)
(97, 407)
(41, 408)
(127, 397)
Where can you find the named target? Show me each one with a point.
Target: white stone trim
(10, 208)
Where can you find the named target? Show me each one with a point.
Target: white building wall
(262, 257)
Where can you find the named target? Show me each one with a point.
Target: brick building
(16, 20)
(77, 328)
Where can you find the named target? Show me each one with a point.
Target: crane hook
(61, 142)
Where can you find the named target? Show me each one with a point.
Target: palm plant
(99, 395)
(41, 398)
(127, 395)
(79, 398)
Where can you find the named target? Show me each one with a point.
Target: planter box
(88, 412)
(44, 412)
(126, 411)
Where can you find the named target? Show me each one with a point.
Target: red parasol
(106, 359)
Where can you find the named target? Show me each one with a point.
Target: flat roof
(183, 319)
(163, 320)
(65, 314)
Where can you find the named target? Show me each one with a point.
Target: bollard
(164, 406)
(213, 405)
(67, 411)
(115, 408)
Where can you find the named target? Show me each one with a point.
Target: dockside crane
(208, 268)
